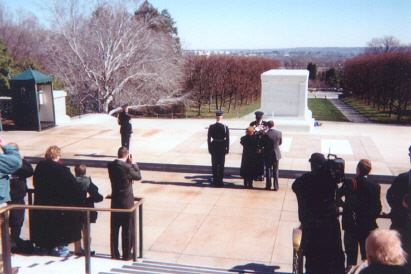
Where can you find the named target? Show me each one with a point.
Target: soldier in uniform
(124, 120)
(321, 235)
(260, 128)
(218, 147)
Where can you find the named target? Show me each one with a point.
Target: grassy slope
(324, 110)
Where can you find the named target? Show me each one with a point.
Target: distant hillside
(297, 57)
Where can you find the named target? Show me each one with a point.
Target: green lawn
(374, 114)
(234, 113)
(324, 110)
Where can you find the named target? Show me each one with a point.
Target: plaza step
(154, 267)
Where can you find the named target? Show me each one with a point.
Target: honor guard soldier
(124, 120)
(218, 139)
(260, 127)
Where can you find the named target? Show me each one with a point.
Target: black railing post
(5, 242)
(140, 229)
(134, 216)
(87, 241)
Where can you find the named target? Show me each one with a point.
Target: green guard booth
(33, 102)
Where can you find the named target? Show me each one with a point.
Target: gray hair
(383, 246)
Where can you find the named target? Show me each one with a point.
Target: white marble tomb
(284, 99)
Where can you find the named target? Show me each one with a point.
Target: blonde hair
(52, 153)
(383, 246)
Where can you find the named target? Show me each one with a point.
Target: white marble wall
(60, 107)
(284, 99)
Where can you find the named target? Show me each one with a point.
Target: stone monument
(284, 99)
(60, 107)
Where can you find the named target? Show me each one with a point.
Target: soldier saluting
(124, 120)
(218, 139)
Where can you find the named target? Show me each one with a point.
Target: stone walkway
(185, 219)
(352, 115)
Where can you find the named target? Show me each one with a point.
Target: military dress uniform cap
(317, 158)
(219, 112)
(124, 106)
(259, 113)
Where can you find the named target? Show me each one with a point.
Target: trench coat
(249, 163)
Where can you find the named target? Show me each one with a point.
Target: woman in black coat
(55, 185)
(248, 168)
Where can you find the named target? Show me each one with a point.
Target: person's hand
(2, 142)
(130, 159)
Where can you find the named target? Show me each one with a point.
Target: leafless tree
(24, 37)
(383, 45)
(113, 58)
(294, 62)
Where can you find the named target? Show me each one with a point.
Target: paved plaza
(188, 221)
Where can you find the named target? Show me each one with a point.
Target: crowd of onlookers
(318, 194)
(319, 197)
(51, 231)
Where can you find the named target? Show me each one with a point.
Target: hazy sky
(257, 24)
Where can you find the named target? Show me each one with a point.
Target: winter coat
(55, 185)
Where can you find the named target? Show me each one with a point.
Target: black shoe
(83, 253)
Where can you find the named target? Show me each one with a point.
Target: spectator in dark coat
(272, 141)
(18, 189)
(399, 199)
(122, 172)
(361, 208)
(55, 185)
(126, 128)
(321, 235)
(248, 168)
(87, 187)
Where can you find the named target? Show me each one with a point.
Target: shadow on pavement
(256, 268)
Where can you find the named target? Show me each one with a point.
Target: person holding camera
(321, 235)
(122, 172)
(361, 208)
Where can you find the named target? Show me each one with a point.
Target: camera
(336, 166)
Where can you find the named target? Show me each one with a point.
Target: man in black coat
(122, 172)
(321, 235)
(124, 120)
(260, 127)
(18, 189)
(361, 208)
(272, 140)
(399, 199)
(218, 140)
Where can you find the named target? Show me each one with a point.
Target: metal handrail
(5, 237)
